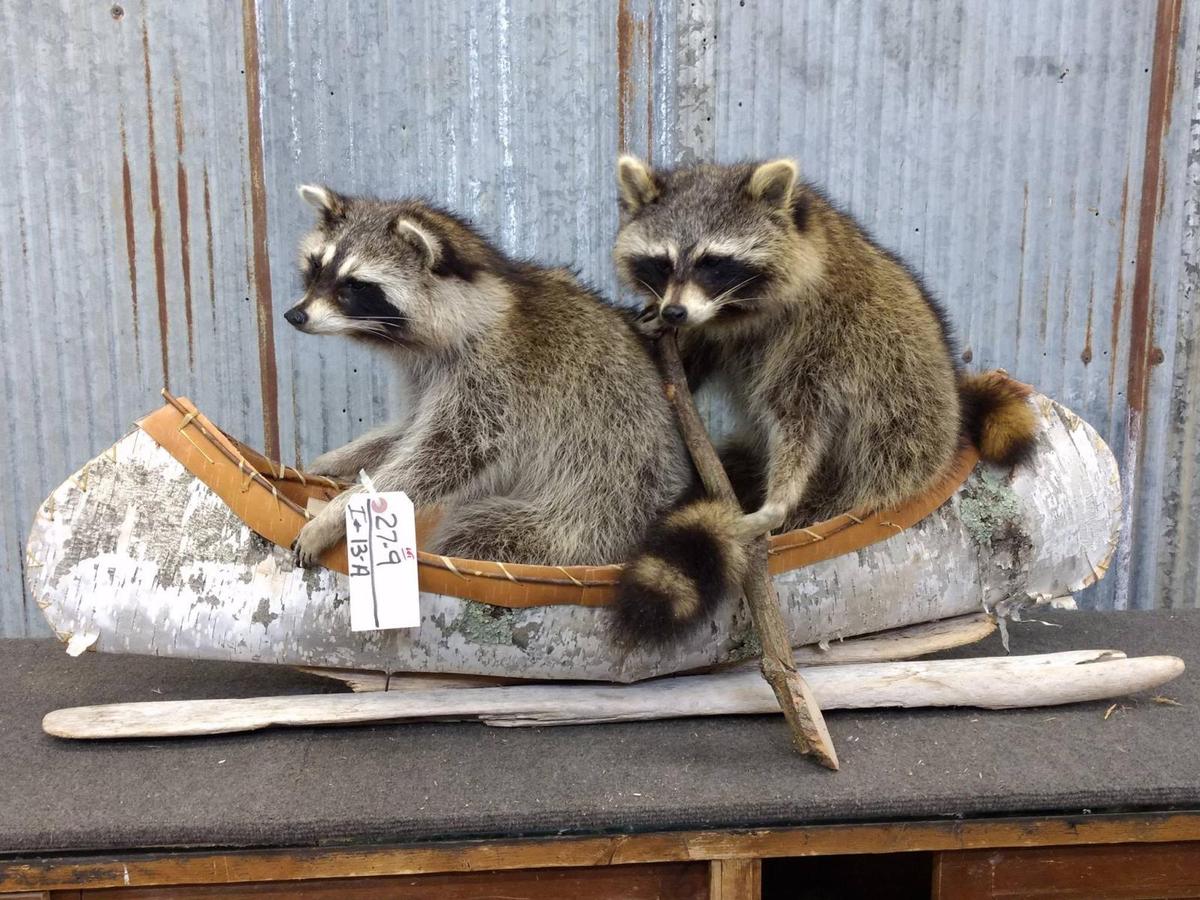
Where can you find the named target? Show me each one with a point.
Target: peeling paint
(208, 247)
(625, 37)
(160, 262)
(130, 236)
(268, 377)
(635, 78)
(1158, 120)
(1085, 355)
(185, 249)
(1118, 295)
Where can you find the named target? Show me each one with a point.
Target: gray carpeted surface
(425, 782)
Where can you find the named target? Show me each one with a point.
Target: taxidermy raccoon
(536, 420)
(834, 354)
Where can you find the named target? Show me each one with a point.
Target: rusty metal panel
(1162, 567)
(1001, 150)
(505, 112)
(124, 259)
(1035, 160)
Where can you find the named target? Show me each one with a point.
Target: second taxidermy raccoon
(836, 357)
(536, 417)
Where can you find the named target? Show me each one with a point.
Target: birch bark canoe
(134, 555)
(1004, 682)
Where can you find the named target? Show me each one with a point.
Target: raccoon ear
(636, 184)
(424, 242)
(330, 204)
(773, 183)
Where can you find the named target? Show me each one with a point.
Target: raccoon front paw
(330, 465)
(649, 322)
(317, 536)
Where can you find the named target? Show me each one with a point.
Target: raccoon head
(399, 273)
(711, 243)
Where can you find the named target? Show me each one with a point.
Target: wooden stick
(908, 642)
(809, 733)
(1002, 682)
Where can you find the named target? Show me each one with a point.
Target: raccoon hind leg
(826, 496)
(500, 529)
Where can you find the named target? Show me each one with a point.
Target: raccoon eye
(309, 270)
(652, 271)
(718, 274)
(362, 296)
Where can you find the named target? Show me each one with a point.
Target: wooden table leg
(735, 879)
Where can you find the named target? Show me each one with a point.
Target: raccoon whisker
(377, 329)
(368, 325)
(657, 295)
(381, 333)
(739, 301)
(723, 298)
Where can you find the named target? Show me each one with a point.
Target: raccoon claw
(313, 540)
(301, 557)
(649, 322)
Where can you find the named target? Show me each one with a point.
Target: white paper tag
(381, 549)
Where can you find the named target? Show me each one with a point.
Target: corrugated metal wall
(1038, 160)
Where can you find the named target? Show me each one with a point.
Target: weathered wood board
(1005, 682)
(134, 555)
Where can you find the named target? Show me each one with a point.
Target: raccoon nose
(674, 314)
(296, 316)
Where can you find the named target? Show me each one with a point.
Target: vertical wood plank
(735, 879)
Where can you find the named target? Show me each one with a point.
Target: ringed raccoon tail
(998, 417)
(693, 558)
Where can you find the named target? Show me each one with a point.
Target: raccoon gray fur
(831, 349)
(536, 420)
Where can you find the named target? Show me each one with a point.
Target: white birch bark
(135, 552)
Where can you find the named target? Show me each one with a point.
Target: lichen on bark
(988, 507)
(484, 624)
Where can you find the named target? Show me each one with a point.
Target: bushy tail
(692, 559)
(998, 417)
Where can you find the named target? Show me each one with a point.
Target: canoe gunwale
(259, 491)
